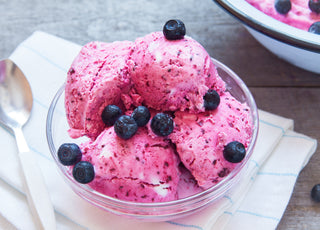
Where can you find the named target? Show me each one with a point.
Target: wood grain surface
(277, 86)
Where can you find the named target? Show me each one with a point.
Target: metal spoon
(15, 108)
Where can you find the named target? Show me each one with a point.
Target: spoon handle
(35, 188)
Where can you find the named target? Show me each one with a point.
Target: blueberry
(69, 154)
(315, 193)
(162, 124)
(211, 100)
(125, 127)
(315, 28)
(110, 114)
(234, 152)
(282, 6)
(314, 6)
(83, 172)
(174, 29)
(141, 115)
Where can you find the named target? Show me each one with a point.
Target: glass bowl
(56, 130)
(294, 45)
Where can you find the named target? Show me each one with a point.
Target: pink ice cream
(200, 139)
(165, 76)
(173, 75)
(300, 16)
(143, 168)
(97, 77)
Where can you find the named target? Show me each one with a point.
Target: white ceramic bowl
(296, 46)
(56, 130)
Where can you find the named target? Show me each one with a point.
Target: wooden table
(277, 86)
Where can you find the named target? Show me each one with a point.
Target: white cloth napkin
(258, 203)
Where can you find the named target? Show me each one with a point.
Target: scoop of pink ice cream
(143, 168)
(97, 77)
(173, 74)
(200, 139)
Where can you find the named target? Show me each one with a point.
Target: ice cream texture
(299, 16)
(200, 139)
(145, 168)
(173, 75)
(165, 76)
(97, 78)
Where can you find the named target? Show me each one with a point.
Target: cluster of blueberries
(70, 154)
(126, 126)
(284, 6)
(162, 124)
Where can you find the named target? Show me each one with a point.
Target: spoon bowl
(15, 95)
(15, 108)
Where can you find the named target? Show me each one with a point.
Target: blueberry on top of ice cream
(162, 124)
(110, 114)
(174, 29)
(211, 100)
(69, 154)
(83, 172)
(234, 152)
(125, 127)
(282, 6)
(141, 115)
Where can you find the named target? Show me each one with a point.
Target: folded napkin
(259, 200)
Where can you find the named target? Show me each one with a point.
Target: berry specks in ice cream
(83, 172)
(125, 127)
(211, 100)
(141, 115)
(234, 152)
(110, 114)
(174, 29)
(69, 154)
(162, 124)
(282, 6)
